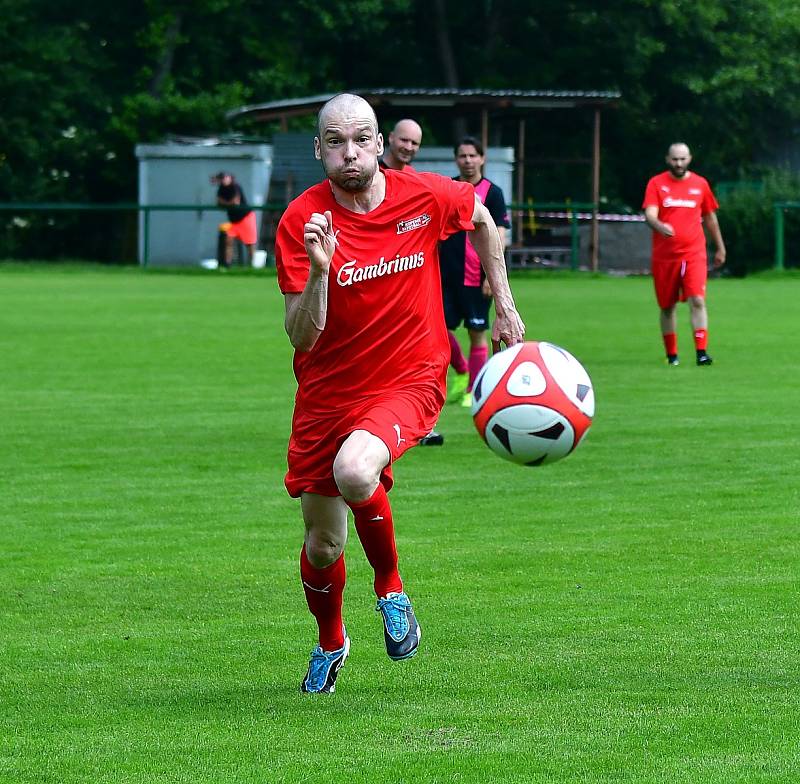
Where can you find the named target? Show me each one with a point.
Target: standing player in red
(357, 263)
(401, 149)
(676, 204)
(403, 146)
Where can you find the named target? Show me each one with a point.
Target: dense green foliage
(627, 615)
(81, 85)
(749, 223)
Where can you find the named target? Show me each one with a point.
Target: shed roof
(433, 97)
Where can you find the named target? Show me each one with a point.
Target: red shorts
(677, 280)
(399, 420)
(245, 229)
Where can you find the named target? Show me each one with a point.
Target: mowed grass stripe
(627, 614)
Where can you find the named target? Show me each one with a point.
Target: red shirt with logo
(385, 326)
(681, 203)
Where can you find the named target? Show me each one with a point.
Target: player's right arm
(651, 216)
(306, 312)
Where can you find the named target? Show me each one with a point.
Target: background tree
(82, 85)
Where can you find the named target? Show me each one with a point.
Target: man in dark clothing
(465, 290)
(241, 219)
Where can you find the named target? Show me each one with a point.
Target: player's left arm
(496, 204)
(508, 326)
(485, 286)
(712, 224)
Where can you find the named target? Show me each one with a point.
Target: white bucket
(259, 259)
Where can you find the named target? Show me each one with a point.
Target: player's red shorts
(245, 229)
(399, 420)
(678, 280)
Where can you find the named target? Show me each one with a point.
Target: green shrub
(747, 220)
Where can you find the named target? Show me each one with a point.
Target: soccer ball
(533, 403)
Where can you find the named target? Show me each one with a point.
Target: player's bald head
(345, 107)
(408, 128)
(678, 159)
(679, 150)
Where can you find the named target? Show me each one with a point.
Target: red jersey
(385, 327)
(681, 203)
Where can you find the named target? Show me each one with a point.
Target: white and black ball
(533, 403)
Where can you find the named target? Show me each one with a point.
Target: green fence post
(146, 238)
(779, 238)
(574, 240)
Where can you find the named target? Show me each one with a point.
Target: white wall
(179, 174)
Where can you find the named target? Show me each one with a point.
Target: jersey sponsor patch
(670, 202)
(351, 272)
(413, 223)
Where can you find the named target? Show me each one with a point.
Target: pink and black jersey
(384, 328)
(459, 260)
(681, 203)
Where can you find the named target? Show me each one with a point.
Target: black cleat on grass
(432, 439)
(672, 359)
(703, 358)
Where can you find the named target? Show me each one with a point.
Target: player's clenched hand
(508, 328)
(667, 230)
(319, 240)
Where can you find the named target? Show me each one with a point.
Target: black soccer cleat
(432, 439)
(672, 359)
(323, 669)
(401, 631)
(703, 358)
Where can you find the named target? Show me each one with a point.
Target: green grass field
(626, 615)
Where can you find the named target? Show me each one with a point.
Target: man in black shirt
(465, 290)
(241, 219)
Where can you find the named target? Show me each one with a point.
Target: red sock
(700, 339)
(478, 355)
(670, 343)
(375, 529)
(457, 359)
(324, 589)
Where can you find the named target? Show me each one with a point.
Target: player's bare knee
(322, 548)
(358, 465)
(354, 476)
(697, 303)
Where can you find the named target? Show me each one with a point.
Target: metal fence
(543, 234)
(780, 209)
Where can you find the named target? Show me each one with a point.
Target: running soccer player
(401, 149)
(357, 263)
(676, 204)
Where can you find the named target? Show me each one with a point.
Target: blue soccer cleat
(323, 669)
(401, 631)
